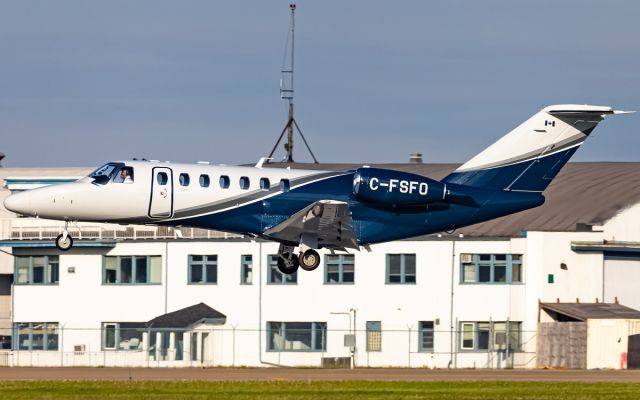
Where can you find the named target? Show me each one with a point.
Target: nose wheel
(64, 241)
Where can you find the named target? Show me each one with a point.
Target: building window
(296, 336)
(425, 336)
(122, 335)
(491, 268)
(244, 182)
(246, 269)
(491, 336)
(203, 269)
(339, 268)
(274, 276)
(374, 335)
(37, 270)
(184, 179)
(131, 270)
(401, 268)
(35, 336)
(265, 184)
(225, 182)
(205, 181)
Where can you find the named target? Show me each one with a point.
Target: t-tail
(530, 156)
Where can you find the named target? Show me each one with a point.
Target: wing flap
(327, 220)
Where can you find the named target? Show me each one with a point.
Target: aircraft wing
(327, 220)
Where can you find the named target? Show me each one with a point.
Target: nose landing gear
(64, 241)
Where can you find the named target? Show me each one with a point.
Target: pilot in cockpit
(126, 175)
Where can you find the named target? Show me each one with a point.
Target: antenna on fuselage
(286, 92)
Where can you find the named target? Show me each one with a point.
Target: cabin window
(284, 185)
(204, 180)
(162, 178)
(264, 184)
(184, 179)
(244, 183)
(225, 182)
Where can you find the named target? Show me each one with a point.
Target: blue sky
(82, 82)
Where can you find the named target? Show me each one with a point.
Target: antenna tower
(286, 93)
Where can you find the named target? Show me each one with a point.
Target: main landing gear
(289, 261)
(64, 241)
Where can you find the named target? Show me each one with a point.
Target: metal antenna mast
(286, 93)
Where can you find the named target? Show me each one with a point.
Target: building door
(633, 352)
(161, 203)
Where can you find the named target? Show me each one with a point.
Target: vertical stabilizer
(531, 155)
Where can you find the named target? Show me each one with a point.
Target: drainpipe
(451, 326)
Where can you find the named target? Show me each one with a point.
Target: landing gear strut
(287, 260)
(64, 241)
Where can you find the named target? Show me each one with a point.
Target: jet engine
(383, 186)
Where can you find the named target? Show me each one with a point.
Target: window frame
(49, 271)
(512, 261)
(372, 327)
(425, 333)
(246, 263)
(134, 272)
(205, 264)
(403, 269)
(341, 263)
(46, 332)
(118, 327)
(511, 328)
(315, 328)
(272, 268)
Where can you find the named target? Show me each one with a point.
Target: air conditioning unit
(466, 258)
(79, 349)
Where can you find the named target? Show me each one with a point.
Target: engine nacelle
(383, 186)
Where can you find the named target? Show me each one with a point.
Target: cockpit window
(125, 175)
(105, 173)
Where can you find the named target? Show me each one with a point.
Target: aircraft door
(161, 203)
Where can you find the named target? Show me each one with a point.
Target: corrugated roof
(188, 316)
(586, 192)
(585, 311)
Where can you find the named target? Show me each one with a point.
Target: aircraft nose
(19, 203)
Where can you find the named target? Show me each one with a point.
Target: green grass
(280, 390)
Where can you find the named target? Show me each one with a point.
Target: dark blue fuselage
(372, 223)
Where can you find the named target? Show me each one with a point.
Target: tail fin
(531, 155)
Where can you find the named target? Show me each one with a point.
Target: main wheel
(64, 244)
(309, 260)
(288, 263)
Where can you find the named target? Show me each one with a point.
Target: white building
(131, 295)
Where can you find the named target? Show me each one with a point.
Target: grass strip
(60, 390)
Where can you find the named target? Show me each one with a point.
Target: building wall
(81, 303)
